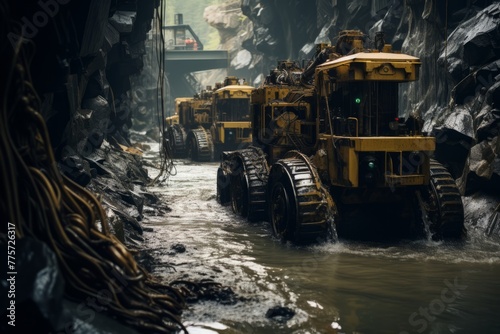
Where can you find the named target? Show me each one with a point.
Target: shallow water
(346, 287)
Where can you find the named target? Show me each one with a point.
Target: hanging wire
(47, 206)
(167, 167)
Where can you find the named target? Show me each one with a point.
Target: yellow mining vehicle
(232, 128)
(214, 120)
(191, 135)
(174, 119)
(331, 153)
(171, 120)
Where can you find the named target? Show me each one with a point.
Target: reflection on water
(347, 287)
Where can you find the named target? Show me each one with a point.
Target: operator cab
(365, 109)
(359, 89)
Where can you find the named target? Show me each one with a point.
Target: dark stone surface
(121, 184)
(40, 306)
(80, 62)
(76, 169)
(178, 248)
(280, 313)
(38, 286)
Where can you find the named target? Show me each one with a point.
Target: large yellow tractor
(191, 137)
(214, 120)
(331, 153)
(232, 127)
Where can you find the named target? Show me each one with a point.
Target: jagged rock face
(263, 33)
(471, 63)
(234, 29)
(84, 58)
(277, 29)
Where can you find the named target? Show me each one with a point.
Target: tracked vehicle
(212, 121)
(191, 136)
(331, 154)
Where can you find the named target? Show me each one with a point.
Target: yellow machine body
(196, 111)
(231, 114)
(331, 152)
(363, 124)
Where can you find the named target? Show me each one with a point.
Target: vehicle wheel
(176, 140)
(282, 206)
(200, 145)
(223, 189)
(239, 194)
(300, 208)
(445, 208)
(247, 171)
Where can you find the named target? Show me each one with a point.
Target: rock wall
(86, 63)
(84, 56)
(233, 28)
(72, 62)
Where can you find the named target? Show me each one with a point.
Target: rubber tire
(282, 205)
(223, 187)
(239, 194)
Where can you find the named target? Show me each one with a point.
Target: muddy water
(347, 287)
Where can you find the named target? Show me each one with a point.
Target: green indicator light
(371, 164)
(358, 100)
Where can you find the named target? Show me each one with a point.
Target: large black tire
(223, 187)
(239, 194)
(300, 209)
(282, 203)
(177, 140)
(249, 172)
(445, 211)
(199, 145)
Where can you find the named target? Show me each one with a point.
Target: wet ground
(346, 287)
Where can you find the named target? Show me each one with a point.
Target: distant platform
(186, 61)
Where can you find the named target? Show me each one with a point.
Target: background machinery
(232, 127)
(211, 121)
(191, 137)
(331, 154)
